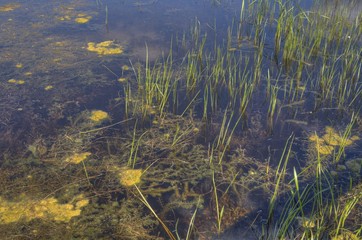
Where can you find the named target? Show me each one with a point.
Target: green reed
(132, 158)
(225, 135)
(280, 175)
(219, 212)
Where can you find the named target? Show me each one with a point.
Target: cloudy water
(155, 119)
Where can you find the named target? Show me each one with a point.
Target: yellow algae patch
(129, 177)
(122, 80)
(331, 139)
(78, 157)
(105, 48)
(9, 7)
(64, 18)
(98, 116)
(324, 149)
(19, 82)
(125, 68)
(82, 18)
(49, 87)
(49, 208)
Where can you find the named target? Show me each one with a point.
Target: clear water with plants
(155, 119)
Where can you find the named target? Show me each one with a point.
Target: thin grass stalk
(346, 135)
(280, 173)
(192, 220)
(145, 202)
(219, 212)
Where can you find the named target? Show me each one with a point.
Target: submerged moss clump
(49, 208)
(105, 48)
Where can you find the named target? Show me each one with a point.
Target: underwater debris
(105, 48)
(331, 139)
(82, 18)
(49, 208)
(78, 157)
(19, 82)
(9, 7)
(98, 116)
(129, 177)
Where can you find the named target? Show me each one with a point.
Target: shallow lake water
(155, 119)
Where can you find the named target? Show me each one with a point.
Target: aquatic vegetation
(27, 209)
(98, 116)
(9, 7)
(77, 157)
(326, 144)
(105, 48)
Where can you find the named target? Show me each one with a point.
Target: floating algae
(122, 80)
(18, 82)
(129, 177)
(105, 48)
(48, 87)
(9, 7)
(98, 116)
(331, 139)
(78, 157)
(28, 209)
(82, 18)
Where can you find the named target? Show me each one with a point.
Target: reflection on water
(155, 119)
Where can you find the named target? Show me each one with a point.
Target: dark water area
(155, 119)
